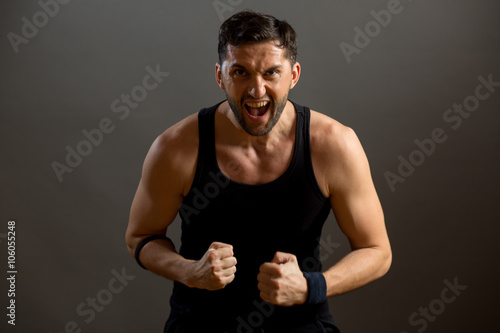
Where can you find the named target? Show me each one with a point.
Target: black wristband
(316, 284)
(144, 242)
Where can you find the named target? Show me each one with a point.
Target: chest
(256, 164)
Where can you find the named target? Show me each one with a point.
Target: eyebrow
(275, 67)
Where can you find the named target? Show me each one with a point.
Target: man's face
(256, 78)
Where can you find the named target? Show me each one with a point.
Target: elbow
(385, 261)
(131, 243)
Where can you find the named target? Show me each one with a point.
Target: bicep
(152, 212)
(354, 199)
(158, 196)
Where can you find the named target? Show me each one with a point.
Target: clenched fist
(215, 269)
(281, 282)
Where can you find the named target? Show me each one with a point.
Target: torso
(270, 198)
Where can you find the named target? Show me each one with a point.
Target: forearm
(356, 269)
(160, 257)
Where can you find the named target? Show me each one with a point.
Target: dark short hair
(253, 27)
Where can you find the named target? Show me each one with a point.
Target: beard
(275, 110)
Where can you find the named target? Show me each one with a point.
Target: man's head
(257, 68)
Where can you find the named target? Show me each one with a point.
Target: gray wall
(64, 77)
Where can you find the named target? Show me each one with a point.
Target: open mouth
(258, 110)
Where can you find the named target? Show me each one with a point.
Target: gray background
(442, 220)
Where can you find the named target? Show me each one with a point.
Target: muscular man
(253, 179)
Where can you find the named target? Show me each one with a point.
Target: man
(254, 179)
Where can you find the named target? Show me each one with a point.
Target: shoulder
(336, 152)
(178, 139)
(173, 155)
(330, 136)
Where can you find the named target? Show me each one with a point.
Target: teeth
(257, 105)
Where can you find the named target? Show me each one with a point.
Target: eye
(272, 72)
(239, 72)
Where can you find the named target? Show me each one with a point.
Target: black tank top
(286, 215)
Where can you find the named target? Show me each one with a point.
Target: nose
(257, 88)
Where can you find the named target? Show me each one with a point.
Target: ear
(295, 74)
(218, 75)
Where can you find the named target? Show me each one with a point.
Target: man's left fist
(281, 282)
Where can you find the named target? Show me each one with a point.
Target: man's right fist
(216, 269)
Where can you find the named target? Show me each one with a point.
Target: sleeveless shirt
(286, 214)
